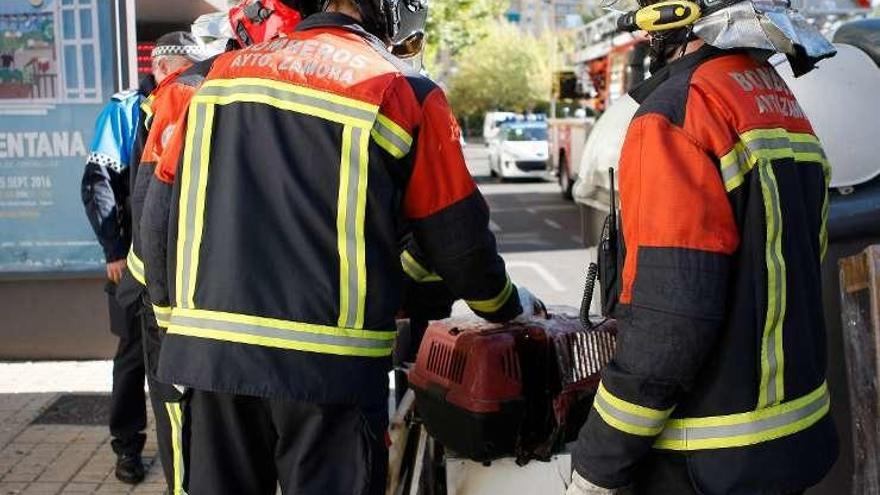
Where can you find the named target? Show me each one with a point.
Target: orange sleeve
(166, 169)
(440, 177)
(672, 196)
(167, 107)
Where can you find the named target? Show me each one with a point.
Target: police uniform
(718, 381)
(297, 158)
(115, 148)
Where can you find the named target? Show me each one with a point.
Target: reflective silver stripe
(136, 267)
(823, 231)
(163, 315)
(769, 144)
(175, 417)
(807, 147)
(351, 226)
(392, 138)
(415, 270)
(738, 168)
(631, 419)
(288, 96)
(772, 352)
(188, 216)
(253, 330)
(747, 428)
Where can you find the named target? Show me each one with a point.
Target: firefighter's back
(280, 263)
(756, 420)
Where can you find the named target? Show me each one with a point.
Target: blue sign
(56, 72)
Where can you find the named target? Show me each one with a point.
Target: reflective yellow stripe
(415, 270)
(391, 137)
(284, 334)
(760, 148)
(136, 267)
(772, 389)
(363, 143)
(187, 196)
(201, 197)
(823, 230)
(341, 227)
(768, 144)
(628, 417)
(294, 89)
(750, 428)
(175, 417)
(147, 108)
(291, 97)
(350, 220)
(194, 184)
(163, 315)
(735, 165)
(494, 304)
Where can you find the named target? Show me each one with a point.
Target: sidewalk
(46, 458)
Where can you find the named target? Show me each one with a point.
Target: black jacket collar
(337, 20)
(685, 64)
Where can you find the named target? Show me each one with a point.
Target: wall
(54, 319)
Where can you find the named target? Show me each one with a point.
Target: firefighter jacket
(721, 352)
(296, 162)
(159, 114)
(166, 106)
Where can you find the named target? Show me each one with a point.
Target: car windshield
(525, 134)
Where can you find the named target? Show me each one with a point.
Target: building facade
(537, 16)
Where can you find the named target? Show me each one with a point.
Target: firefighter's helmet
(770, 25)
(255, 21)
(398, 23)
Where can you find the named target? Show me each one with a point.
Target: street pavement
(538, 235)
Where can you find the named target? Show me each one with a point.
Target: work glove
(531, 305)
(580, 486)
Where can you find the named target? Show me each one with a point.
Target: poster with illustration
(57, 69)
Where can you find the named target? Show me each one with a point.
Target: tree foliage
(454, 25)
(506, 70)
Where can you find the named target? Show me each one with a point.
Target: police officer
(718, 383)
(297, 158)
(111, 198)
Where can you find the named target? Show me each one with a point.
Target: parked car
(519, 151)
(492, 123)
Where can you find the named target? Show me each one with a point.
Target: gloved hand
(531, 305)
(580, 486)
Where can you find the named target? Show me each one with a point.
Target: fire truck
(607, 63)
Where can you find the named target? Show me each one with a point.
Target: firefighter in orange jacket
(165, 107)
(718, 381)
(174, 54)
(295, 163)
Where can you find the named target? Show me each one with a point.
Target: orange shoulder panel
(326, 59)
(671, 195)
(166, 168)
(167, 106)
(744, 93)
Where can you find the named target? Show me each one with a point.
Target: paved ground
(538, 235)
(51, 459)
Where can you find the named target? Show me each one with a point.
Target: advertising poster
(56, 72)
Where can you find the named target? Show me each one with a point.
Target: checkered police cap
(180, 43)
